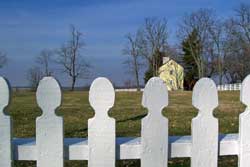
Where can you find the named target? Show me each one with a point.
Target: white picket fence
(230, 87)
(102, 148)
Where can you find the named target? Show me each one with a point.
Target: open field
(128, 114)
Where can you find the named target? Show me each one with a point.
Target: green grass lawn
(128, 113)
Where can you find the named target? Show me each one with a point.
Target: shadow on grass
(81, 130)
(136, 118)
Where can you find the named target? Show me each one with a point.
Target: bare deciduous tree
(44, 60)
(238, 44)
(216, 49)
(200, 21)
(34, 75)
(242, 21)
(71, 59)
(134, 61)
(152, 41)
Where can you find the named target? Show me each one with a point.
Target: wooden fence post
(154, 133)
(244, 125)
(204, 126)
(49, 127)
(101, 128)
(5, 126)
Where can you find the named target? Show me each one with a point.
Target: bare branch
(3, 59)
(199, 21)
(70, 58)
(133, 62)
(152, 41)
(44, 60)
(34, 75)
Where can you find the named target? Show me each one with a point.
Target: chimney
(165, 60)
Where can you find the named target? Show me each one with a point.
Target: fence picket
(244, 125)
(204, 126)
(101, 128)
(100, 146)
(5, 124)
(154, 133)
(49, 127)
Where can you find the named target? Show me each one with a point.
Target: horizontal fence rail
(126, 147)
(128, 90)
(232, 87)
(102, 148)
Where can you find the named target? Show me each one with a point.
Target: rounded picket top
(155, 95)
(101, 94)
(205, 95)
(245, 91)
(4, 93)
(48, 94)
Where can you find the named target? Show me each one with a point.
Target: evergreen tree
(191, 47)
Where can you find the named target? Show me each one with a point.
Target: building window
(171, 82)
(171, 72)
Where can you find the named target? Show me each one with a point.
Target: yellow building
(172, 74)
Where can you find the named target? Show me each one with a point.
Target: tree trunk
(137, 81)
(136, 71)
(199, 71)
(220, 79)
(73, 83)
(220, 76)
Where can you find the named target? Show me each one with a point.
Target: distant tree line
(208, 46)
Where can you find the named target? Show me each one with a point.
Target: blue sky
(28, 26)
